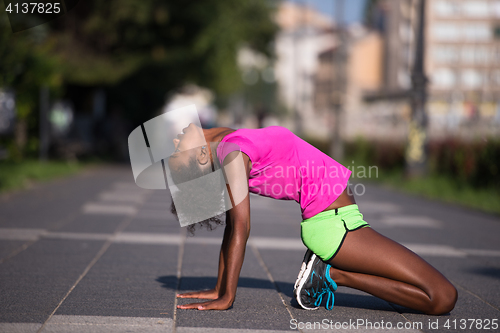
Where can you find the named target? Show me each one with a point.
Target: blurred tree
(137, 49)
(25, 65)
(145, 48)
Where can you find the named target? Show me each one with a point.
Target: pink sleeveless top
(286, 167)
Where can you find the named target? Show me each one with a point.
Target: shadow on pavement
(366, 302)
(486, 271)
(201, 283)
(347, 300)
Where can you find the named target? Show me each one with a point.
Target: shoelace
(327, 289)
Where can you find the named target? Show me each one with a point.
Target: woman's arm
(234, 243)
(218, 290)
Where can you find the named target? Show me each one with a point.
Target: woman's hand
(218, 304)
(205, 294)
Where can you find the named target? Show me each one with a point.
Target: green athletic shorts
(325, 232)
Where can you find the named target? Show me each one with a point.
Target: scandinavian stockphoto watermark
(278, 181)
(202, 194)
(355, 324)
(361, 324)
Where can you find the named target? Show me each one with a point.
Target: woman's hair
(203, 196)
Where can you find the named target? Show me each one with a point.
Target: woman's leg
(377, 265)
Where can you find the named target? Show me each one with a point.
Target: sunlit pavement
(95, 253)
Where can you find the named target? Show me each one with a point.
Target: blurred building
(462, 59)
(304, 35)
(463, 62)
(363, 73)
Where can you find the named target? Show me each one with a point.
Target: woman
(343, 249)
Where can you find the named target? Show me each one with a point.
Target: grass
(17, 175)
(438, 187)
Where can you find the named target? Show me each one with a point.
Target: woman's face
(186, 145)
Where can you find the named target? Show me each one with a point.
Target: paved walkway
(95, 253)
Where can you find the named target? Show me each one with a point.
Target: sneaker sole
(308, 255)
(302, 281)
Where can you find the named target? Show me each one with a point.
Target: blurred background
(410, 87)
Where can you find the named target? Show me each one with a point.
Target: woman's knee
(443, 300)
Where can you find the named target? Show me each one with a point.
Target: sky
(353, 9)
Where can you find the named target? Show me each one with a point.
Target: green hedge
(386, 155)
(15, 175)
(475, 163)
